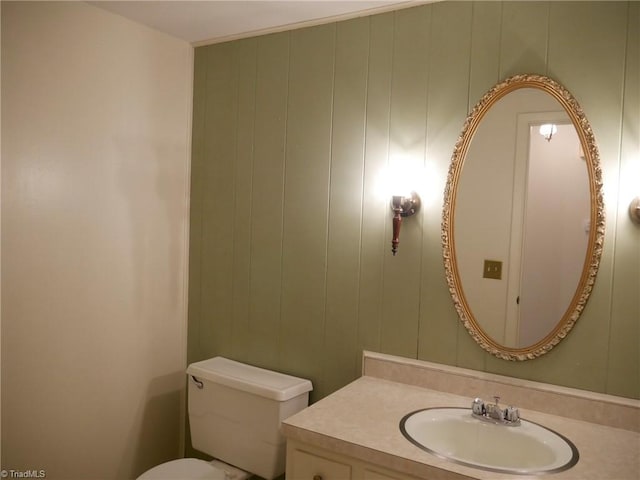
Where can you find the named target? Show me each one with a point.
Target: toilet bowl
(235, 413)
(194, 469)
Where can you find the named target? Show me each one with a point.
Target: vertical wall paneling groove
(484, 72)
(272, 73)
(408, 117)
(576, 32)
(218, 201)
(485, 53)
(345, 203)
(484, 62)
(195, 215)
(375, 208)
(306, 201)
(594, 29)
(450, 43)
(524, 38)
(246, 52)
(291, 127)
(624, 376)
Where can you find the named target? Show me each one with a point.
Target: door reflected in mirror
(529, 201)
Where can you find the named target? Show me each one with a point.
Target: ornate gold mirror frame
(596, 232)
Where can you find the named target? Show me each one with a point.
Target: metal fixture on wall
(634, 210)
(548, 130)
(402, 206)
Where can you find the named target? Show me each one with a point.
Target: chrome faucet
(492, 412)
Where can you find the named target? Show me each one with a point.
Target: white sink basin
(453, 434)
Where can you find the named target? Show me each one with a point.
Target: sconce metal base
(402, 207)
(407, 205)
(634, 210)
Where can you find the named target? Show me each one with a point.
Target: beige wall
(95, 166)
(290, 263)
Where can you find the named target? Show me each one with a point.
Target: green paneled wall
(290, 264)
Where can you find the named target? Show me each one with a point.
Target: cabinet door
(307, 466)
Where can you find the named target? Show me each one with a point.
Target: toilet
(235, 412)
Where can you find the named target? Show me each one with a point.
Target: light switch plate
(492, 269)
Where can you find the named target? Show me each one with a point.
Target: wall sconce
(548, 130)
(634, 210)
(402, 206)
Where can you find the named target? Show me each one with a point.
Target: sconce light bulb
(548, 130)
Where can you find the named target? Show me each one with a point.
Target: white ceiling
(210, 21)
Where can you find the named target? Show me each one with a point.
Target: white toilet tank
(235, 412)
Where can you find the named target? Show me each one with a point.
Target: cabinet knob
(317, 477)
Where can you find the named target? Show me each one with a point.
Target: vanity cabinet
(354, 433)
(305, 462)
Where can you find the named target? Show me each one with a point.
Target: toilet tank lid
(266, 383)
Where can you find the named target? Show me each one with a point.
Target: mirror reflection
(522, 223)
(522, 201)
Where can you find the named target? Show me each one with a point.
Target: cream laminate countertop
(362, 420)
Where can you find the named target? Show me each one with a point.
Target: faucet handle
(512, 414)
(477, 406)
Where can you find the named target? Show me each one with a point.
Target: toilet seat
(184, 469)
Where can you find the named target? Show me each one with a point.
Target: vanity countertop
(362, 419)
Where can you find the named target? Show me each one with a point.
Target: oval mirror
(523, 217)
